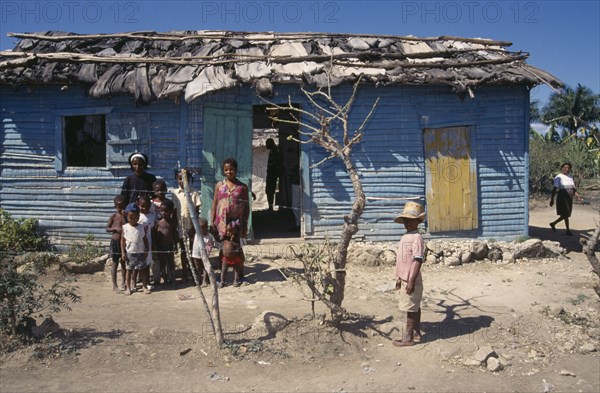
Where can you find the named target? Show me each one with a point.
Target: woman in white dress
(564, 189)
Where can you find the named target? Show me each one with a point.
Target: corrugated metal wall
(391, 161)
(74, 202)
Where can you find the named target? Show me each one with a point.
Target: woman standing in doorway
(564, 189)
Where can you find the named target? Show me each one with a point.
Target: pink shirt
(409, 249)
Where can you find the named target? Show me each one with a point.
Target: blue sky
(562, 37)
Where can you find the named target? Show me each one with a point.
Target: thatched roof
(150, 65)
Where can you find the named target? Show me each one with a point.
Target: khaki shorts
(412, 302)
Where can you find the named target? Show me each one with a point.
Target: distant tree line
(573, 115)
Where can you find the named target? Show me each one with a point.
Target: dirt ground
(541, 317)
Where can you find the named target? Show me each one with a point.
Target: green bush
(18, 235)
(546, 157)
(22, 295)
(86, 250)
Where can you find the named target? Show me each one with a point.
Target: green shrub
(23, 296)
(86, 250)
(546, 157)
(18, 235)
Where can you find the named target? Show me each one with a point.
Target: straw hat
(411, 210)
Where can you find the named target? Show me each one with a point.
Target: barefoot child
(166, 239)
(232, 255)
(134, 249)
(196, 253)
(148, 217)
(115, 226)
(409, 258)
(160, 193)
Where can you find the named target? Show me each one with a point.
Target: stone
(504, 361)
(479, 250)
(495, 254)
(90, 267)
(452, 261)
(567, 373)
(374, 251)
(493, 364)
(588, 347)
(484, 353)
(593, 332)
(367, 259)
(533, 248)
(554, 247)
(466, 257)
(471, 363)
(435, 246)
(555, 310)
(388, 257)
(267, 324)
(568, 346)
(431, 259)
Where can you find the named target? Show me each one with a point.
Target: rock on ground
(484, 353)
(267, 324)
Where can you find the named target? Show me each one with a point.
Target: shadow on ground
(570, 243)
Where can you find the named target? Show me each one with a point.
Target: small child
(232, 255)
(409, 258)
(115, 226)
(184, 219)
(134, 249)
(160, 193)
(196, 252)
(148, 218)
(166, 239)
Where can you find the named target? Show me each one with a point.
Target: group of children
(147, 233)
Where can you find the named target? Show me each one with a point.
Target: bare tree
(589, 247)
(326, 123)
(213, 312)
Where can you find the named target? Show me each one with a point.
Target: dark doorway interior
(281, 221)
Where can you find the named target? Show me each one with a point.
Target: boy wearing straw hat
(409, 258)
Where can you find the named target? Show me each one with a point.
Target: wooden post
(215, 314)
(589, 245)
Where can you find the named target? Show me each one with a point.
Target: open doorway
(278, 215)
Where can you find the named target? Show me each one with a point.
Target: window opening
(85, 140)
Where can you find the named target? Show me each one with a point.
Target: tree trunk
(589, 246)
(349, 228)
(214, 313)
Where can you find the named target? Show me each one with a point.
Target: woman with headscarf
(140, 182)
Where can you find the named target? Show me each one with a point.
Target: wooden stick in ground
(589, 247)
(188, 253)
(215, 314)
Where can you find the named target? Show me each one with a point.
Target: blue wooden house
(450, 129)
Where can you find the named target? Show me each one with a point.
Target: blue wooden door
(227, 133)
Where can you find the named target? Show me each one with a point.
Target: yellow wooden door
(451, 180)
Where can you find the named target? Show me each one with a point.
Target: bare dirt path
(540, 317)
